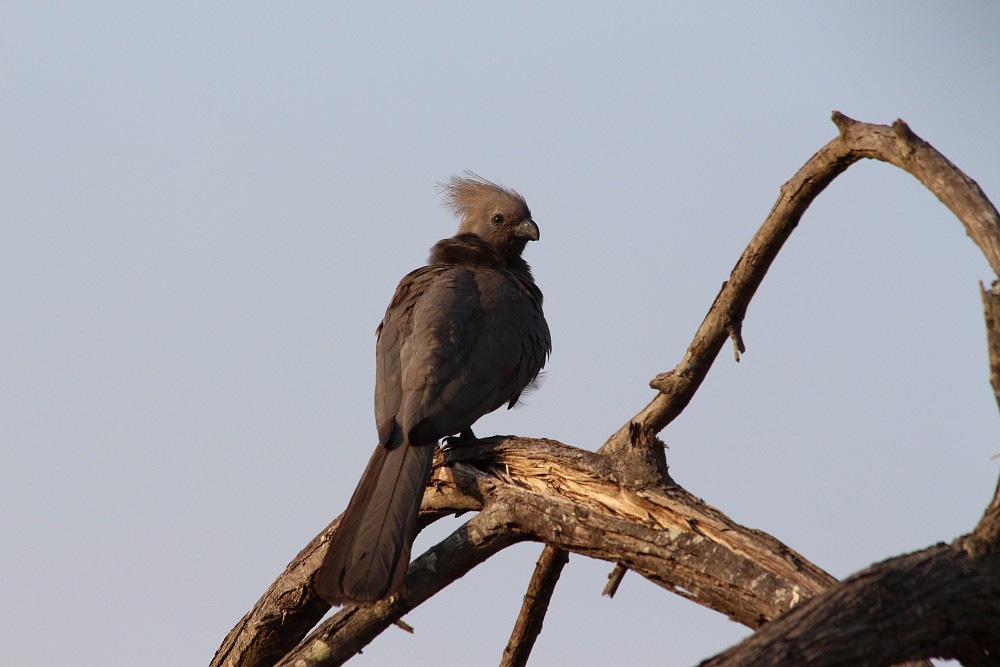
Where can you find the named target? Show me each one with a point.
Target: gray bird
(463, 335)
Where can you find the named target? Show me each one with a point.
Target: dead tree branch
(941, 602)
(549, 492)
(897, 145)
(991, 313)
(354, 627)
(536, 602)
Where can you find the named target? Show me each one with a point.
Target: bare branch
(536, 602)
(569, 498)
(574, 500)
(614, 580)
(290, 607)
(991, 312)
(354, 627)
(900, 146)
(897, 145)
(282, 616)
(986, 536)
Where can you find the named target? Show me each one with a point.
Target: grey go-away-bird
(463, 335)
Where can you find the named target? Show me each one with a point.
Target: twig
(403, 625)
(614, 580)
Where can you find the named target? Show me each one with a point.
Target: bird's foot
(466, 437)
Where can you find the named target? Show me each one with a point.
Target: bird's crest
(463, 194)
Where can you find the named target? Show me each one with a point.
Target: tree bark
(941, 602)
(536, 602)
(546, 491)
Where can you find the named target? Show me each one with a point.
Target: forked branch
(897, 145)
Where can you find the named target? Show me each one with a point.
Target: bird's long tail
(370, 550)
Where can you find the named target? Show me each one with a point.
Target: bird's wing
(457, 342)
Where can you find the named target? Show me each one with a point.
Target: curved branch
(900, 146)
(897, 145)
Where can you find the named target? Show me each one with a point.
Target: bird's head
(493, 213)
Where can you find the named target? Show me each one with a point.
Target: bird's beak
(527, 230)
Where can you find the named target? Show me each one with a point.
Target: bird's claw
(466, 437)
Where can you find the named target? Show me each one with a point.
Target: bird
(462, 336)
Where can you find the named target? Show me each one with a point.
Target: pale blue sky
(205, 208)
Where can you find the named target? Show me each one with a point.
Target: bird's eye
(498, 219)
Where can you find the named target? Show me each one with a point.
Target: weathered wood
(282, 616)
(536, 602)
(991, 313)
(344, 635)
(940, 602)
(546, 491)
(896, 145)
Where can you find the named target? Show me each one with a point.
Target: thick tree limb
(640, 463)
(347, 632)
(290, 607)
(573, 500)
(940, 602)
(546, 491)
(886, 614)
(282, 616)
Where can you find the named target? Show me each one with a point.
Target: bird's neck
(471, 250)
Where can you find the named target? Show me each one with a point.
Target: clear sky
(205, 208)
